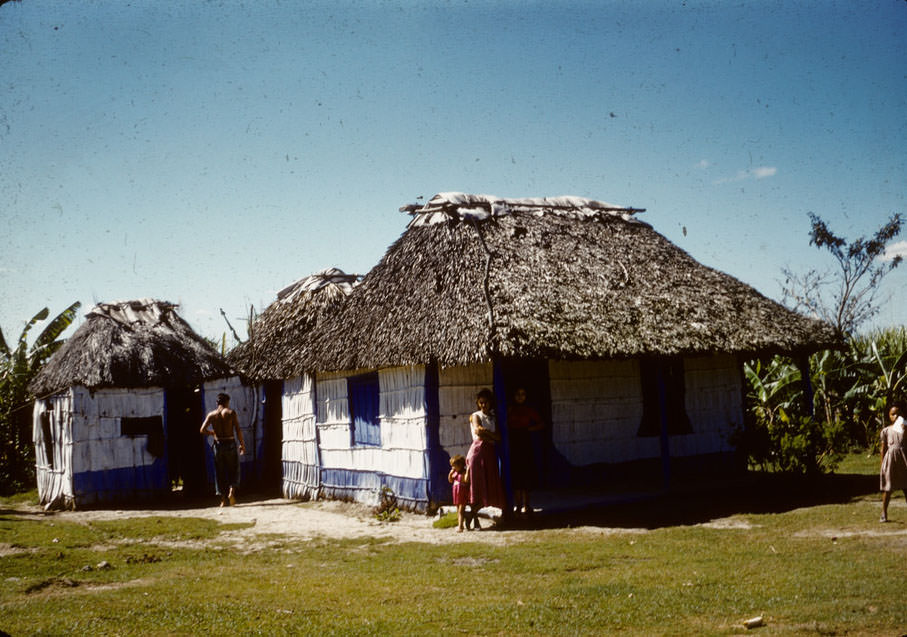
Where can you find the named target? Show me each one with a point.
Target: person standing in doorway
(223, 424)
(485, 486)
(522, 420)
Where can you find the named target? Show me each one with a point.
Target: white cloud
(764, 171)
(761, 172)
(898, 249)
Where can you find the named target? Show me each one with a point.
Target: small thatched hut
(120, 404)
(270, 359)
(629, 347)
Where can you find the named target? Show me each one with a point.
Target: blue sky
(210, 153)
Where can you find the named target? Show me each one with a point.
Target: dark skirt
(523, 475)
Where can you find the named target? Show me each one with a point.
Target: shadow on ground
(692, 503)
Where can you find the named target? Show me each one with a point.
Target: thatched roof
(476, 276)
(141, 343)
(280, 332)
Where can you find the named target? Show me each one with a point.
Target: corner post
(664, 439)
(436, 457)
(499, 381)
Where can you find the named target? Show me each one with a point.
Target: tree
(845, 297)
(17, 369)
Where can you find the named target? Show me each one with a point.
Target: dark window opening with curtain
(675, 397)
(364, 408)
(151, 426)
(46, 434)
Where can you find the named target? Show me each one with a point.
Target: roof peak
(138, 311)
(318, 280)
(448, 207)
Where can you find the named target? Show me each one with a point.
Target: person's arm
(450, 476)
(204, 430)
(537, 423)
(884, 448)
(483, 433)
(474, 425)
(236, 428)
(466, 476)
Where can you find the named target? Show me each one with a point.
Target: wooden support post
(437, 458)
(502, 447)
(663, 421)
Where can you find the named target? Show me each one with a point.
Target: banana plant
(773, 385)
(892, 377)
(18, 366)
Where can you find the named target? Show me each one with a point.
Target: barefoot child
(459, 478)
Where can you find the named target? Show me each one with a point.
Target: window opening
(675, 397)
(151, 426)
(46, 416)
(363, 393)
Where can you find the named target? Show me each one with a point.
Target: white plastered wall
(714, 403)
(54, 473)
(97, 442)
(403, 449)
(596, 407)
(299, 447)
(457, 389)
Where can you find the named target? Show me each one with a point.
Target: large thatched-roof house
(629, 347)
(120, 404)
(268, 360)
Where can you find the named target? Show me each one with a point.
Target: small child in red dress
(459, 478)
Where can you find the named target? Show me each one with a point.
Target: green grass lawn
(811, 558)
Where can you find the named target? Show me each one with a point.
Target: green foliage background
(18, 366)
(851, 389)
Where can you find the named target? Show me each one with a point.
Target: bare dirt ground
(296, 521)
(274, 520)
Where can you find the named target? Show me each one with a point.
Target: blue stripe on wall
(120, 484)
(339, 483)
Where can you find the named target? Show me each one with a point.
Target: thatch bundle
(279, 335)
(141, 343)
(476, 276)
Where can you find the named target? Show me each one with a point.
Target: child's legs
(461, 515)
(886, 498)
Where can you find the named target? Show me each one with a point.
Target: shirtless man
(222, 423)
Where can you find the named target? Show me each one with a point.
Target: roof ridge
(449, 207)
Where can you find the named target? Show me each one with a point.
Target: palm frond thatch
(280, 333)
(142, 343)
(476, 276)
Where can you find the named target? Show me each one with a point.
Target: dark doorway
(531, 375)
(185, 446)
(272, 457)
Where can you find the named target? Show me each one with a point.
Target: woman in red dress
(485, 487)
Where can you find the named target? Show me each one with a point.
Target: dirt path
(303, 521)
(332, 519)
